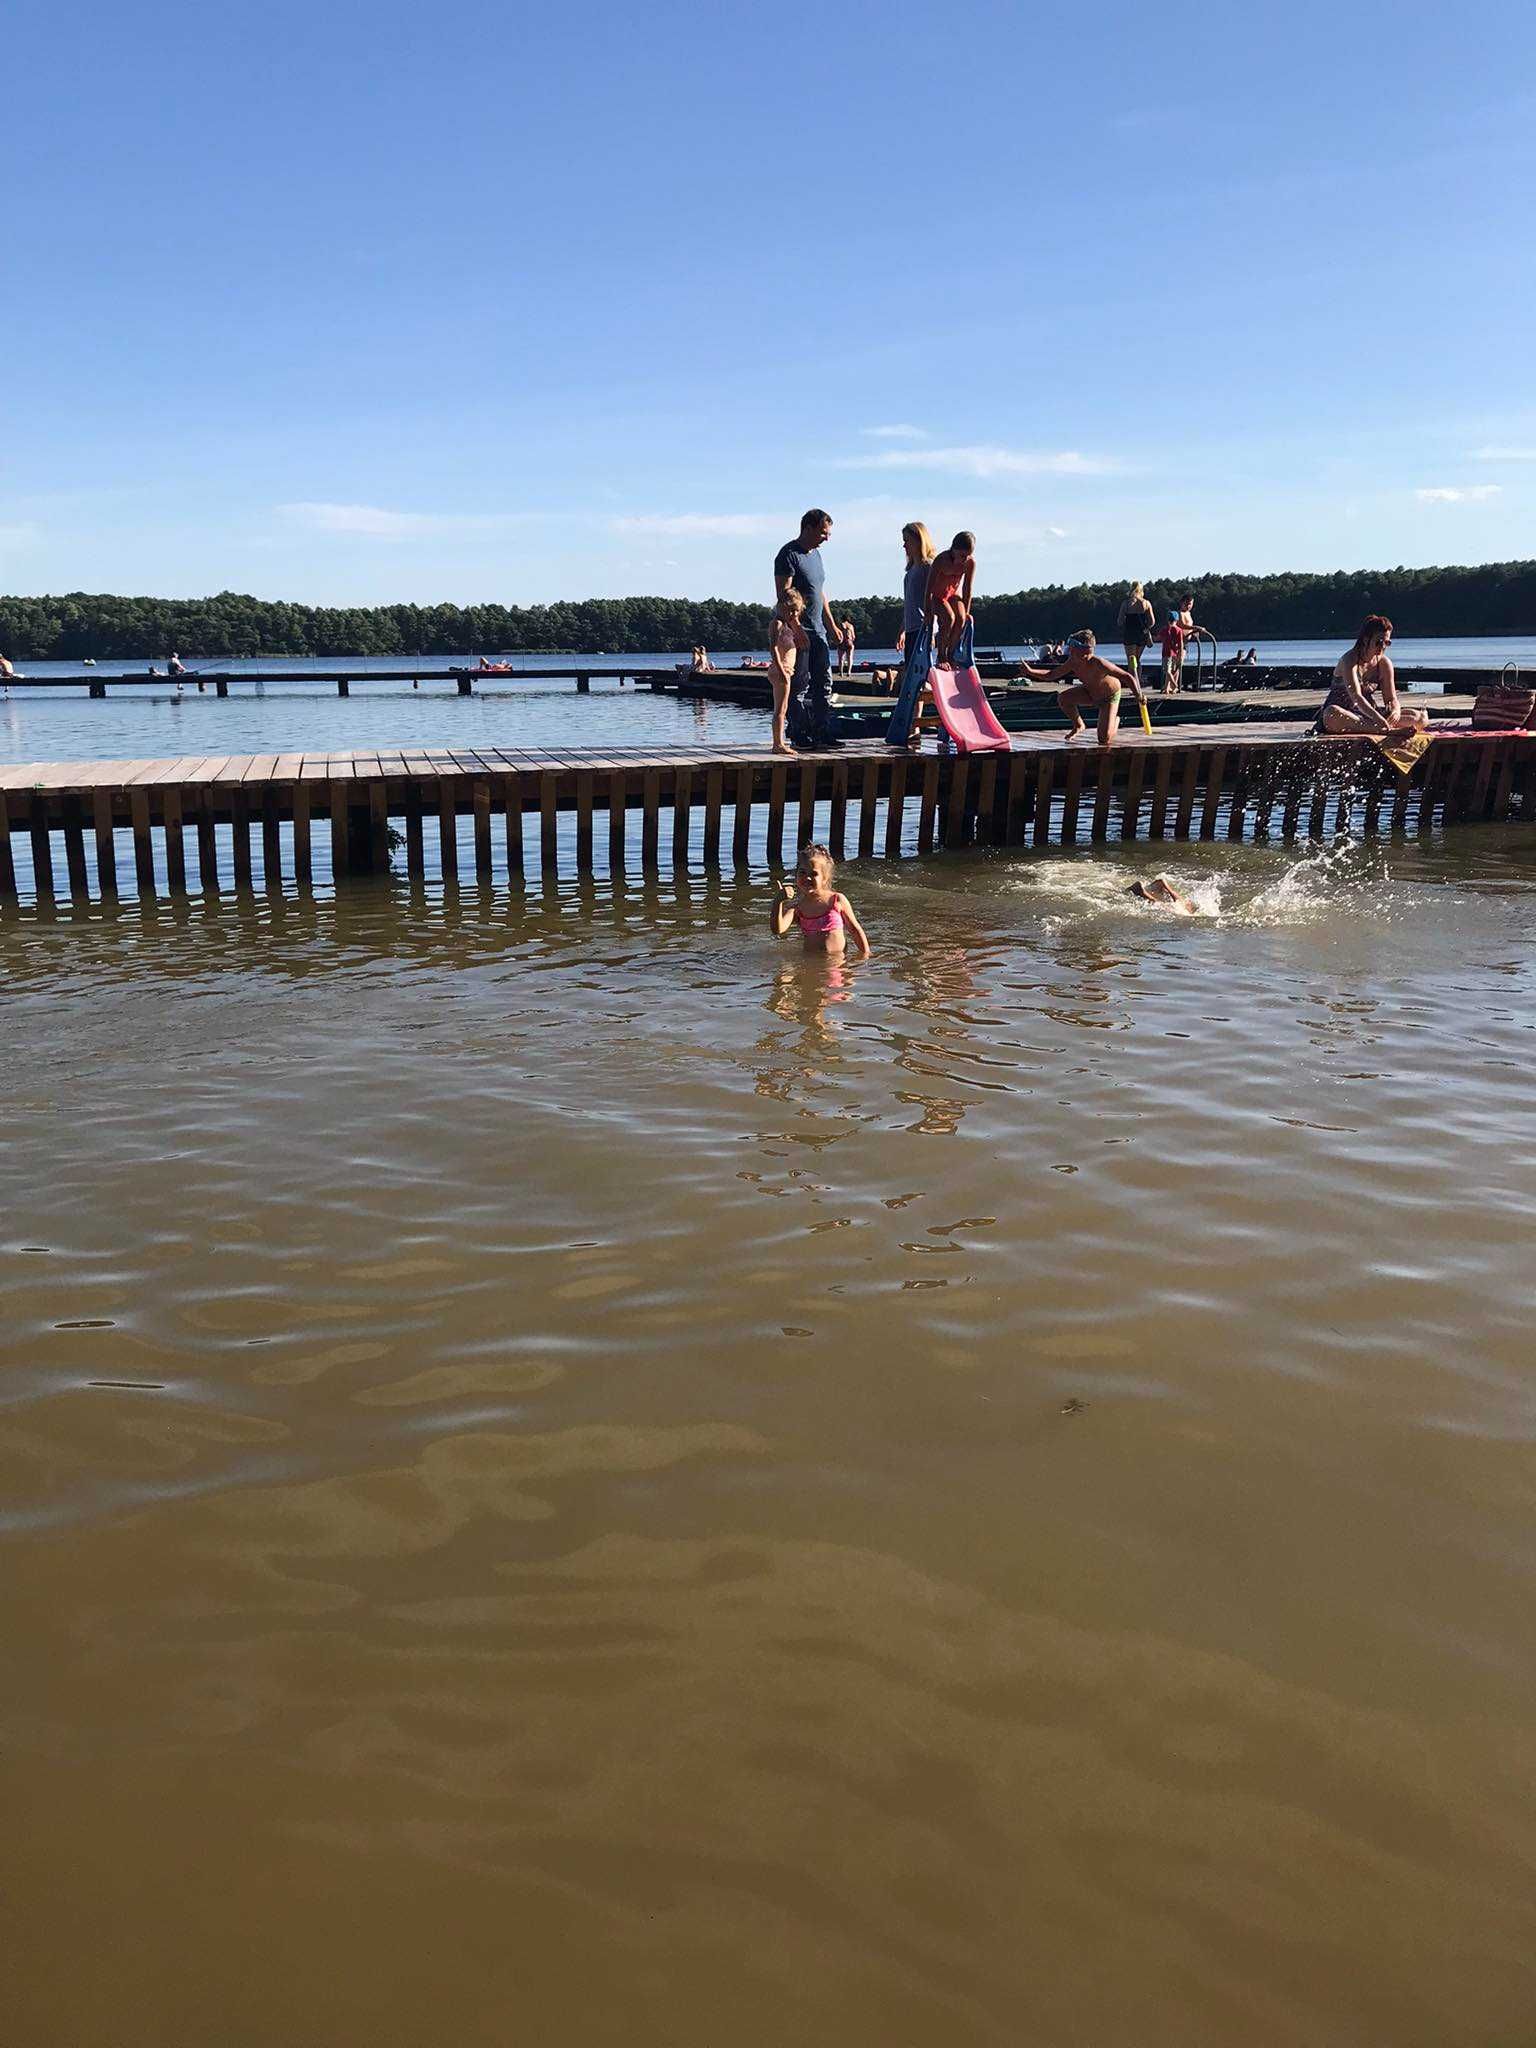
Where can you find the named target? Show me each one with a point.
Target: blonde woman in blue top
(920, 551)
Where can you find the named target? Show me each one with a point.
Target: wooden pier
(86, 829)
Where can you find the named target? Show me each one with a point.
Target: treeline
(1498, 597)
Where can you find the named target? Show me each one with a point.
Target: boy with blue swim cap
(1095, 684)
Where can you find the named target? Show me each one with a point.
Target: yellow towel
(1402, 749)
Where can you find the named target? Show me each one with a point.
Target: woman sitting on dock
(1364, 674)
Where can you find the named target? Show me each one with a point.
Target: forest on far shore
(1497, 597)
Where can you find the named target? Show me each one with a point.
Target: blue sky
(349, 302)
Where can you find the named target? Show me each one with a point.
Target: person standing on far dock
(847, 640)
(798, 565)
(1138, 627)
(1184, 619)
(1174, 636)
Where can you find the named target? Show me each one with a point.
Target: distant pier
(97, 682)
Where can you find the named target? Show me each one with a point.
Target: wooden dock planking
(1231, 777)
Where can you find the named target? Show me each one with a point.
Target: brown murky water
(569, 1477)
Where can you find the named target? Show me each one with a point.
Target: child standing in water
(1096, 685)
(812, 903)
(787, 639)
(949, 592)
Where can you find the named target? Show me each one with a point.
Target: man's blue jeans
(809, 718)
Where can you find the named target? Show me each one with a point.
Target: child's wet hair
(811, 852)
(964, 544)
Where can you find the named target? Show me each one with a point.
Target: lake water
(308, 717)
(573, 1475)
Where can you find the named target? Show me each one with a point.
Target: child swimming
(1096, 684)
(1162, 892)
(824, 917)
(949, 592)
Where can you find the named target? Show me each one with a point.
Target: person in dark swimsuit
(1362, 676)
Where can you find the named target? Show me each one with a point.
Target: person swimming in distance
(1161, 892)
(1095, 684)
(812, 903)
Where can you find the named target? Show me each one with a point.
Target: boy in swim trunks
(949, 593)
(1096, 685)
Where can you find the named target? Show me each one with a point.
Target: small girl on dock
(787, 641)
(949, 592)
(824, 916)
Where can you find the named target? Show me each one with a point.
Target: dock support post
(41, 850)
(7, 860)
(583, 686)
(106, 849)
(98, 690)
(343, 687)
(172, 820)
(361, 849)
(221, 686)
(466, 685)
(339, 835)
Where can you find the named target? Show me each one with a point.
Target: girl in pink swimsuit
(825, 918)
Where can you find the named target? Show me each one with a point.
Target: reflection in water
(533, 1493)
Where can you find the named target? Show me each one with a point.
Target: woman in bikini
(949, 592)
(825, 918)
(1362, 676)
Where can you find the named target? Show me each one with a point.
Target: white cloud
(374, 522)
(708, 525)
(1504, 454)
(896, 433)
(1465, 494)
(984, 461)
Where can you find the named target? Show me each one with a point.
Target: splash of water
(1321, 885)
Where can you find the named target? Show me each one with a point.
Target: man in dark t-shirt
(798, 565)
